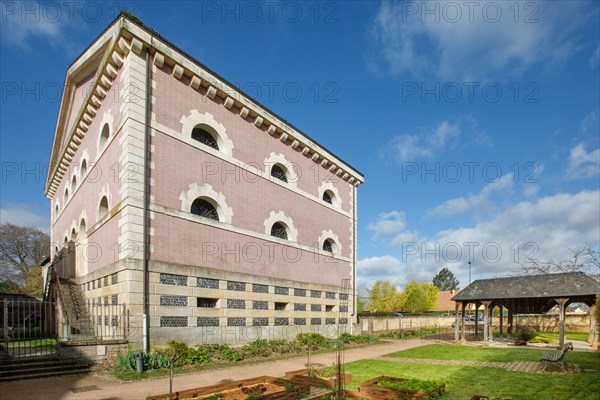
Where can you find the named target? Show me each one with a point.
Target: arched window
(103, 207)
(204, 137)
(205, 209)
(104, 135)
(83, 170)
(73, 234)
(328, 196)
(82, 227)
(66, 195)
(56, 211)
(328, 245)
(73, 184)
(278, 171)
(279, 230)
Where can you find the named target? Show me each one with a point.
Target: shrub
(150, 361)
(315, 340)
(348, 338)
(229, 354)
(526, 334)
(258, 348)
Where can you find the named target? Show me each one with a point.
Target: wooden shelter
(533, 294)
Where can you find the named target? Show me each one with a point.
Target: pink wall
(102, 247)
(191, 243)
(176, 98)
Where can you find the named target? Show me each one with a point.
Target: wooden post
(501, 320)
(456, 329)
(486, 319)
(510, 323)
(491, 325)
(462, 324)
(561, 319)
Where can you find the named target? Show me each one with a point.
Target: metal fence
(99, 322)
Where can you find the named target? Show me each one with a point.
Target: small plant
(418, 385)
(525, 334)
(289, 386)
(229, 354)
(258, 348)
(217, 396)
(254, 395)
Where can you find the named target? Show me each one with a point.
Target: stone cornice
(129, 36)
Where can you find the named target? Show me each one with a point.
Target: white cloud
(582, 163)
(474, 42)
(543, 229)
(478, 203)
(19, 215)
(426, 143)
(388, 223)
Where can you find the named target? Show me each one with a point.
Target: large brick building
(192, 204)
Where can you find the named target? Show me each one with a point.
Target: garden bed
(389, 387)
(263, 387)
(315, 377)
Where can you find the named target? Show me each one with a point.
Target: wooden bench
(556, 358)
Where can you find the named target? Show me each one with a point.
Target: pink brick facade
(202, 273)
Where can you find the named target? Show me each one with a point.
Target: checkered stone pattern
(114, 300)
(257, 288)
(329, 295)
(316, 307)
(207, 321)
(114, 279)
(260, 321)
(343, 296)
(299, 321)
(106, 280)
(282, 290)
(343, 308)
(299, 306)
(315, 293)
(343, 321)
(171, 279)
(315, 321)
(173, 322)
(282, 321)
(329, 321)
(106, 301)
(168, 300)
(300, 292)
(114, 321)
(236, 321)
(207, 283)
(237, 286)
(236, 303)
(260, 305)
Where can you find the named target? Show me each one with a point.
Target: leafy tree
(22, 250)
(445, 280)
(419, 297)
(360, 305)
(384, 297)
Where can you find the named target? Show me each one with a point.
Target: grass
(462, 382)
(31, 343)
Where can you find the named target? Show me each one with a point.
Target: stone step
(26, 368)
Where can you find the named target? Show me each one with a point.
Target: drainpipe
(145, 320)
(354, 290)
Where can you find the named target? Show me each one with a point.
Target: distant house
(444, 301)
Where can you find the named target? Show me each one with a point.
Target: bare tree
(22, 249)
(584, 259)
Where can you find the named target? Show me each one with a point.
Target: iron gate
(29, 328)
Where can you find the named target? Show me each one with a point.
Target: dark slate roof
(566, 284)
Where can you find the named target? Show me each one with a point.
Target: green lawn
(568, 335)
(43, 342)
(462, 382)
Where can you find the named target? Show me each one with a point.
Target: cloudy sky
(476, 124)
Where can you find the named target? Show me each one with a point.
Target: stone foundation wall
(100, 355)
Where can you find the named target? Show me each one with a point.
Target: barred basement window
(315, 321)
(278, 230)
(236, 321)
(281, 306)
(236, 303)
(173, 322)
(299, 321)
(206, 302)
(256, 288)
(260, 321)
(329, 295)
(207, 283)
(316, 307)
(299, 307)
(260, 305)
(205, 138)
(328, 308)
(278, 171)
(300, 292)
(237, 286)
(281, 290)
(204, 209)
(171, 279)
(315, 293)
(207, 321)
(329, 321)
(173, 301)
(282, 321)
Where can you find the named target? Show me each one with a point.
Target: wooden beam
(501, 319)
(561, 320)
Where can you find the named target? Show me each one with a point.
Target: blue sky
(476, 124)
